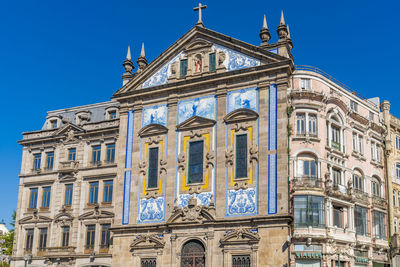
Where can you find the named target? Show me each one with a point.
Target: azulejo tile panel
(241, 202)
(204, 199)
(161, 76)
(155, 114)
(151, 210)
(244, 98)
(272, 158)
(203, 107)
(235, 60)
(128, 165)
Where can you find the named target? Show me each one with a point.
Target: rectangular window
(108, 191)
(68, 194)
(305, 84)
(29, 239)
(148, 262)
(36, 162)
(212, 62)
(361, 220)
(183, 68)
(371, 116)
(379, 224)
(46, 197)
(90, 235)
(93, 192)
(65, 236)
(309, 211)
(53, 124)
(312, 125)
(397, 142)
(335, 138)
(152, 179)
(43, 238)
(105, 236)
(357, 182)
(338, 217)
(373, 151)
(49, 160)
(353, 105)
(307, 168)
(112, 115)
(394, 197)
(110, 153)
(375, 189)
(241, 155)
(96, 153)
(336, 175)
(301, 124)
(33, 198)
(378, 154)
(196, 162)
(72, 154)
(241, 261)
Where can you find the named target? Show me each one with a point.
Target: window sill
(358, 156)
(104, 250)
(88, 250)
(301, 137)
(106, 204)
(376, 163)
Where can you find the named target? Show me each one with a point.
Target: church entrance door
(193, 254)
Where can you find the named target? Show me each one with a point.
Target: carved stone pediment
(96, 214)
(195, 122)
(240, 236)
(336, 101)
(147, 241)
(69, 129)
(192, 213)
(240, 115)
(196, 45)
(35, 218)
(153, 129)
(63, 217)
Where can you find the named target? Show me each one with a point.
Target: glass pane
(241, 155)
(195, 162)
(153, 168)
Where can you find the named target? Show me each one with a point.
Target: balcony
(306, 182)
(360, 196)
(379, 202)
(52, 252)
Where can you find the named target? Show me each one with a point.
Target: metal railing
(329, 77)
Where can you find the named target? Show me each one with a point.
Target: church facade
(217, 153)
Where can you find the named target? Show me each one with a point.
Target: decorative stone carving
(240, 115)
(153, 129)
(229, 157)
(35, 218)
(181, 162)
(195, 122)
(63, 218)
(147, 241)
(96, 214)
(192, 213)
(241, 236)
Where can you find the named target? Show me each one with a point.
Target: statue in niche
(197, 64)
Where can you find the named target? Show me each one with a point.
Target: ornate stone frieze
(96, 214)
(63, 218)
(147, 241)
(241, 236)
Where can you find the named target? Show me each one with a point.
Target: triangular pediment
(240, 236)
(147, 241)
(69, 129)
(96, 214)
(237, 55)
(195, 122)
(35, 219)
(153, 129)
(241, 114)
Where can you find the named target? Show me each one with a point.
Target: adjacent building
(217, 153)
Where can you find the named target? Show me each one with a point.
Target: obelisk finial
(142, 61)
(282, 22)
(264, 32)
(128, 65)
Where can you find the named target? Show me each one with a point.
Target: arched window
(395, 225)
(193, 254)
(335, 131)
(394, 197)
(307, 166)
(375, 187)
(358, 180)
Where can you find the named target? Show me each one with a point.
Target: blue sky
(58, 54)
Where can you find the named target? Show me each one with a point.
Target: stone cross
(199, 8)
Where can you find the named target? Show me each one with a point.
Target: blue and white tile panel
(151, 210)
(203, 107)
(235, 60)
(242, 202)
(128, 165)
(155, 114)
(272, 143)
(203, 199)
(244, 98)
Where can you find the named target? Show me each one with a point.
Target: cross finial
(199, 8)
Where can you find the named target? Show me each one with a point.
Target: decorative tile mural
(245, 98)
(204, 199)
(128, 165)
(272, 140)
(203, 107)
(235, 60)
(155, 114)
(241, 202)
(161, 76)
(151, 210)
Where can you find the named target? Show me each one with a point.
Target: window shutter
(183, 68)
(212, 62)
